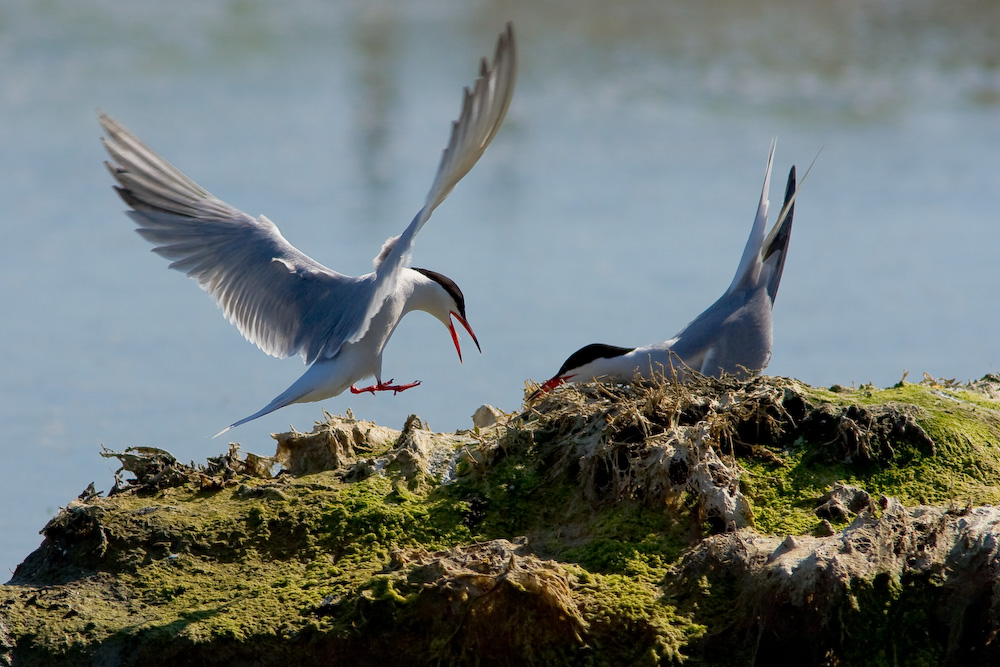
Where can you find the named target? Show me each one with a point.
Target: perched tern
(284, 301)
(733, 336)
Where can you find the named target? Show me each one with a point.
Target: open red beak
(454, 334)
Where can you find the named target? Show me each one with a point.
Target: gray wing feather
(749, 269)
(280, 299)
(483, 111)
(776, 244)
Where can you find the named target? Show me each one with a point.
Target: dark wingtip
(780, 242)
(790, 189)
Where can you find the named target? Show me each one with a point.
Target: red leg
(384, 386)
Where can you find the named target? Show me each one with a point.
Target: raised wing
(775, 248)
(483, 110)
(749, 267)
(280, 299)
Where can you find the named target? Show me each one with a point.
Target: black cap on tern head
(577, 360)
(452, 290)
(592, 352)
(449, 286)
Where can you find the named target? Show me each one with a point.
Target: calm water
(613, 205)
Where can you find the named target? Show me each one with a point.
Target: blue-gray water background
(613, 205)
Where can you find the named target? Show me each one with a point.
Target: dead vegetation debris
(652, 442)
(895, 581)
(988, 386)
(417, 453)
(335, 443)
(75, 540)
(156, 469)
(663, 442)
(860, 433)
(898, 581)
(496, 603)
(357, 449)
(494, 598)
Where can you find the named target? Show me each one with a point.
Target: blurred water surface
(613, 205)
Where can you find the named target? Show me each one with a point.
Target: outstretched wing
(483, 110)
(280, 299)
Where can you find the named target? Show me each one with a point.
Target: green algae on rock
(715, 521)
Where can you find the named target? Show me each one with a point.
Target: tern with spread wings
(733, 336)
(284, 301)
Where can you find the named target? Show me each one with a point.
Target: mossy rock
(711, 522)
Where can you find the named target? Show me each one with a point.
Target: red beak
(454, 334)
(548, 386)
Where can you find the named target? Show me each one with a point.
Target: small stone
(486, 416)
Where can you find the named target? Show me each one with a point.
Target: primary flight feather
(281, 299)
(732, 336)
